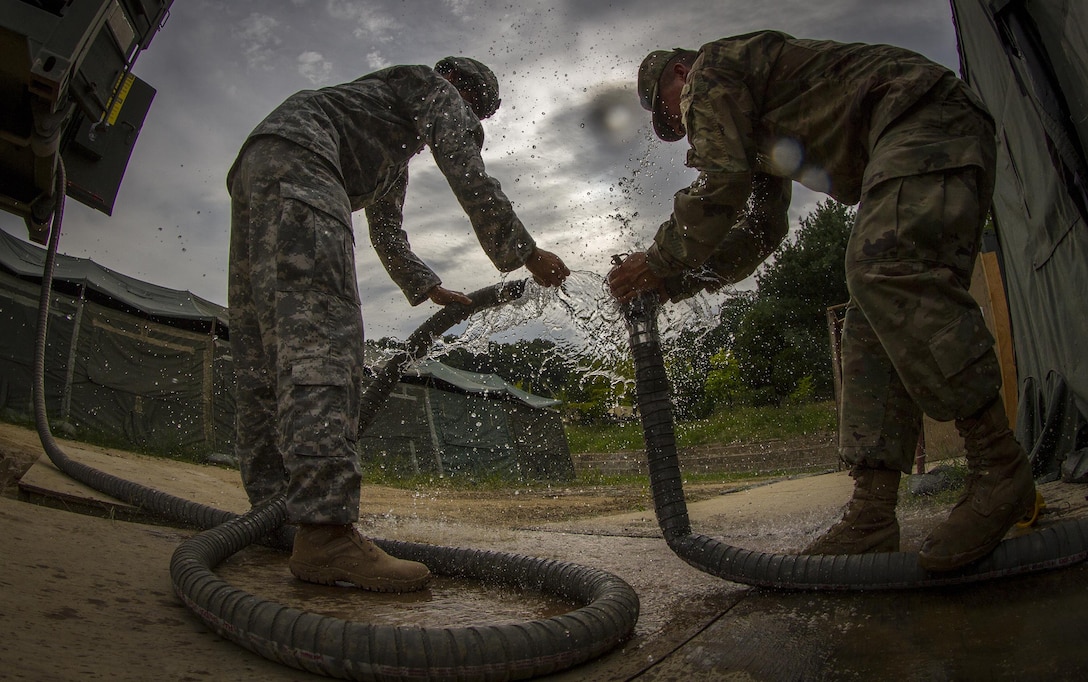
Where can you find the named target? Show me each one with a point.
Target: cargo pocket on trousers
(317, 244)
(961, 343)
(325, 385)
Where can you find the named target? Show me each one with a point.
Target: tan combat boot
(1000, 491)
(331, 554)
(869, 524)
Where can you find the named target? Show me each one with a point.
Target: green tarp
(27, 261)
(448, 422)
(486, 384)
(114, 375)
(1028, 60)
(135, 363)
(126, 361)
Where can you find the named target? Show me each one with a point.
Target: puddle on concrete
(1028, 628)
(447, 602)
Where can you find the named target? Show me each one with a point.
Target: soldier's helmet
(649, 79)
(476, 82)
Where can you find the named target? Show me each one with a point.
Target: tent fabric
(424, 430)
(451, 422)
(1028, 61)
(139, 364)
(26, 260)
(116, 376)
(473, 382)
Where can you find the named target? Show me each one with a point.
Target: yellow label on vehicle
(119, 98)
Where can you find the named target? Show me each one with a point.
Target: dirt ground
(89, 596)
(20, 448)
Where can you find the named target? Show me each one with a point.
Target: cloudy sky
(570, 145)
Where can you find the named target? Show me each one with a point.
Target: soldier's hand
(443, 296)
(547, 268)
(633, 277)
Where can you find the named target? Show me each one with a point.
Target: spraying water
(580, 319)
(584, 323)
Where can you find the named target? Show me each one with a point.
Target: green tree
(724, 384)
(688, 360)
(532, 365)
(781, 343)
(588, 400)
(811, 269)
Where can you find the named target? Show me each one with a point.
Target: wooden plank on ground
(214, 486)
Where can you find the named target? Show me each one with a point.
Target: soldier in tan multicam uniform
(296, 326)
(902, 137)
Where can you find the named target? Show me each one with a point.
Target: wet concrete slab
(692, 626)
(1022, 628)
(1026, 628)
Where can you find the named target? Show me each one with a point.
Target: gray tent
(445, 421)
(127, 361)
(139, 364)
(1028, 60)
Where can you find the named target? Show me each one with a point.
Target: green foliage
(811, 269)
(603, 437)
(687, 362)
(805, 392)
(770, 347)
(587, 401)
(532, 365)
(753, 424)
(727, 425)
(782, 338)
(724, 383)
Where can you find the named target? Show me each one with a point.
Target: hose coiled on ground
(360, 651)
(1053, 547)
(352, 650)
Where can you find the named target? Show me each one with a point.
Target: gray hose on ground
(361, 651)
(158, 503)
(345, 649)
(1046, 548)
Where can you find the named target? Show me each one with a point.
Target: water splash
(582, 320)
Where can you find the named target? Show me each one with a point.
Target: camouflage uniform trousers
(914, 339)
(296, 334)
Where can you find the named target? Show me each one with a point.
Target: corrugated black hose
(353, 650)
(1052, 547)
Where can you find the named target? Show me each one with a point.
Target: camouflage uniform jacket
(764, 109)
(368, 130)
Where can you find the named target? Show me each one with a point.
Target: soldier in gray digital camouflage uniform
(296, 325)
(902, 137)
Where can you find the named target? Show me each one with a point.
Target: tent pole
(70, 371)
(434, 435)
(207, 368)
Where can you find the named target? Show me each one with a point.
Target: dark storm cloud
(570, 145)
